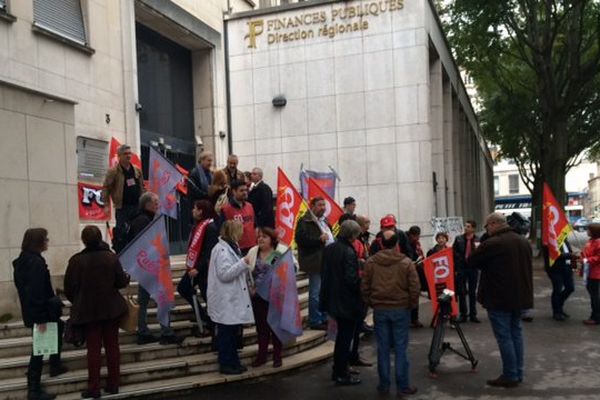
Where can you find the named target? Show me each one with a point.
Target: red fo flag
(555, 225)
(290, 207)
(333, 211)
(439, 270)
(113, 158)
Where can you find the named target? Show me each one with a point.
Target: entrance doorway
(167, 113)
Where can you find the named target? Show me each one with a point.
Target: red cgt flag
(113, 158)
(333, 212)
(290, 207)
(555, 225)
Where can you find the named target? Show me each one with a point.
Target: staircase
(154, 370)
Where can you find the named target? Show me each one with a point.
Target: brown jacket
(92, 282)
(114, 182)
(390, 281)
(506, 282)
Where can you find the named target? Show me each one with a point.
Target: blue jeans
(315, 317)
(143, 299)
(392, 326)
(509, 335)
(562, 286)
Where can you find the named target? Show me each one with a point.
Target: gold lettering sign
(329, 24)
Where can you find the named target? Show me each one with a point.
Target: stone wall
(375, 103)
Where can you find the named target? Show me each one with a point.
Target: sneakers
(360, 363)
(171, 339)
(558, 317)
(146, 338)
(501, 381)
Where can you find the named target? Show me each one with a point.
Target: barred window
(62, 17)
(92, 159)
(513, 184)
(2, 5)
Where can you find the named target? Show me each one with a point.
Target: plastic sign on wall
(91, 204)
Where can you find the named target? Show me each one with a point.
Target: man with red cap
(388, 223)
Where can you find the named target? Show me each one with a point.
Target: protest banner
(439, 270)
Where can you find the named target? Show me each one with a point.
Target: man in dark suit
(261, 198)
(201, 177)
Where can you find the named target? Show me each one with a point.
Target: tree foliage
(536, 64)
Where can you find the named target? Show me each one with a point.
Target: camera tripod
(438, 347)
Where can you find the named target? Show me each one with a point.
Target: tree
(536, 64)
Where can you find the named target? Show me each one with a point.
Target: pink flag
(284, 308)
(163, 178)
(146, 259)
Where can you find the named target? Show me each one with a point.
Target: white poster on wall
(453, 226)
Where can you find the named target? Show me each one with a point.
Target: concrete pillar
(448, 131)
(456, 156)
(437, 134)
(130, 79)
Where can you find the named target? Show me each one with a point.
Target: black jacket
(340, 282)
(39, 303)
(261, 198)
(310, 246)
(138, 223)
(403, 244)
(561, 263)
(460, 251)
(506, 282)
(198, 190)
(211, 238)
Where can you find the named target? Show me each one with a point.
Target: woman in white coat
(228, 299)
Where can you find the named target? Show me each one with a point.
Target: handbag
(74, 334)
(128, 321)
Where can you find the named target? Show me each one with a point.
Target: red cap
(388, 221)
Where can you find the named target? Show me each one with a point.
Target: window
(496, 185)
(92, 159)
(61, 17)
(2, 5)
(513, 184)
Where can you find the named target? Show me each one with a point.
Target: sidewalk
(562, 361)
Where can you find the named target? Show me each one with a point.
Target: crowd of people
(231, 252)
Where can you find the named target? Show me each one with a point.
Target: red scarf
(195, 244)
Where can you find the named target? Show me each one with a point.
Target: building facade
(512, 195)
(368, 88)
(383, 104)
(74, 74)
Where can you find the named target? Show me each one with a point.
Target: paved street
(562, 362)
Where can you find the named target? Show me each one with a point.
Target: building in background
(592, 198)
(512, 195)
(369, 88)
(76, 73)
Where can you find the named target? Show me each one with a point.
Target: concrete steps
(153, 369)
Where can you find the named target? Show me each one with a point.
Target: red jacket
(245, 215)
(592, 253)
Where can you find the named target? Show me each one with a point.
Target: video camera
(445, 296)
